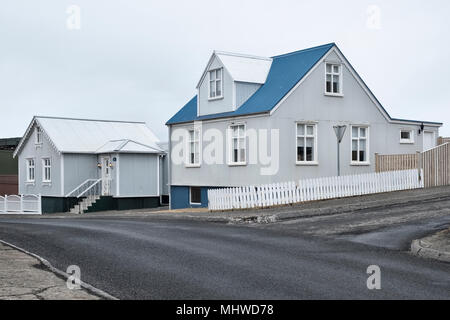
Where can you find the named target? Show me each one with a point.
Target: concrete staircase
(84, 204)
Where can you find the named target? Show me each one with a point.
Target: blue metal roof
(286, 71)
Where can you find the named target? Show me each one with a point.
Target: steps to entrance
(84, 204)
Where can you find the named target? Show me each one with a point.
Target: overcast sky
(141, 60)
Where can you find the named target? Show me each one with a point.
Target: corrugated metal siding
(138, 175)
(245, 90)
(78, 168)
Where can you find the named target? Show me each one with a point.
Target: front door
(428, 140)
(106, 175)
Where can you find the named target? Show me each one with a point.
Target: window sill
(406, 142)
(215, 98)
(30, 183)
(47, 183)
(360, 163)
(334, 94)
(306, 163)
(237, 164)
(195, 203)
(38, 145)
(192, 165)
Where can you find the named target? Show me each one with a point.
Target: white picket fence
(23, 204)
(312, 189)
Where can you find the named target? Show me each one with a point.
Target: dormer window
(333, 79)
(216, 84)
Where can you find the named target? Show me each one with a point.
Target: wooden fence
(312, 189)
(436, 166)
(393, 162)
(443, 140)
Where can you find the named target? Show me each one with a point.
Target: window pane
(219, 88)
(310, 130)
(212, 90)
(328, 68)
(406, 135)
(309, 149)
(212, 75)
(196, 157)
(219, 74)
(362, 155)
(328, 86)
(362, 132)
(234, 131)
(300, 129)
(336, 88)
(300, 154)
(242, 143)
(300, 149)
(355, 132)
(191, 152)
(235, 155)
(336, 69)
(196, 195)
(354, 145)
(242, 155)
(362, 144)
(354, 150)
(235, 143)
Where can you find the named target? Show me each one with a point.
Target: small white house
(261, 120)
(110, 165)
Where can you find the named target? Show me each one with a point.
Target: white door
(428, 140)
(106, 175)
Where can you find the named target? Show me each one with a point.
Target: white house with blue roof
(258, 120)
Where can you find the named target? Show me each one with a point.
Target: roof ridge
(83, 119)
(304, 50)
(242, 55)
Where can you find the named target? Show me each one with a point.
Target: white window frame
(44, 167)
(230, 144)
(190, 196)
(38, 141)
(188, 148)
(333, 74)
(367, 138)
(304, 136)
(215, 83)
(411, 136)
(30, 167)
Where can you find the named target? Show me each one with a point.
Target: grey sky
(141, 60)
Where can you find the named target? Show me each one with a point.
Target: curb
(84, 285)
(420, 249)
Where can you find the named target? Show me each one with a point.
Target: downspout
(169, 166)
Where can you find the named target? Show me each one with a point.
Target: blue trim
(179, 197)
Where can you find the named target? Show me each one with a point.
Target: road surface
(153, 258)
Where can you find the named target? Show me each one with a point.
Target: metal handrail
(88, 192)
(82, 186)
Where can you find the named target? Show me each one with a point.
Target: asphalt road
(168, 259)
